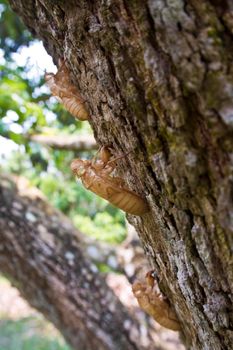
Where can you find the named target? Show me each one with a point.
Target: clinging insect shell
(96, 176)
(66, 92)
(151, 300)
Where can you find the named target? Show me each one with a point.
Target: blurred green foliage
(29, 333)
(23, 328)
(26, 107)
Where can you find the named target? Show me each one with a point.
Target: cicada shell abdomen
(111, 189)
(76, 107)
(95, 176)
(66, 92)
(128, 201)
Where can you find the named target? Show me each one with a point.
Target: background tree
(158, 79)
(41, 252)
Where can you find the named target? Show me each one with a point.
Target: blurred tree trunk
(158, 77)
(42, 253)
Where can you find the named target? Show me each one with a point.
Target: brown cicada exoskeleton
(96, 177)
(66, 92)
(151, 300)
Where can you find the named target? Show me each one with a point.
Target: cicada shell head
(78, 167)
(49, 78)
(51, 82)
(105, 154)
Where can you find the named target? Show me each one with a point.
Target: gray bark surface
(158, 77)
(42, 253)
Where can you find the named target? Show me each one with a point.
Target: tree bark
(41, 252)
(158, 79)
(77, 143)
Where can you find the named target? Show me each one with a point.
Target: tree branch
(40, 250)
(77, 143)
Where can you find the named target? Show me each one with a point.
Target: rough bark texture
(40, 250)
(158, 77)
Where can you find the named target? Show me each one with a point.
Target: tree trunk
(41, 252)
(158, 79)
